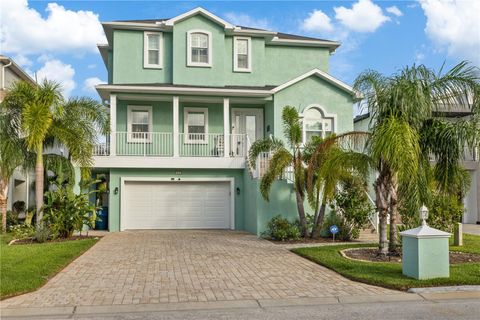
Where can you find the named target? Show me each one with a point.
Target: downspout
(3, 72)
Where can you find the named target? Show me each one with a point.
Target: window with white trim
(139, 122)
(316, 124)
(152, 50)
(196, 125)
(242, 57)
(199, 51)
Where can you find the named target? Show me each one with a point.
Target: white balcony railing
(161, 144)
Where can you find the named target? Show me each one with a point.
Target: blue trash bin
(102, 219)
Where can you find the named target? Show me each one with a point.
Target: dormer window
(242, 57)
(199, 51)
(152, 50)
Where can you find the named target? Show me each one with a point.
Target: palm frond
(280, 160)
(269, 144)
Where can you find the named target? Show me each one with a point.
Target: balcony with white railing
(172, 151)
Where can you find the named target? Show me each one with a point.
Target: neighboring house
(470, 163)
(187, 97)
(20, 188)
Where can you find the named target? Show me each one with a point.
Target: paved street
(148, 267)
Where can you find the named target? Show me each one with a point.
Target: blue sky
(56, 39)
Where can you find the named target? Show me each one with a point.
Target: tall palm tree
(40, 114)
(406, 132)
(282, 158)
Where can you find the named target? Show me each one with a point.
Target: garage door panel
(176, 205)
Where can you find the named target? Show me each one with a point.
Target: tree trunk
(319, 221)
(39, 180)
(301, 213)
(393, 195)
(3, 202)
(381, 202)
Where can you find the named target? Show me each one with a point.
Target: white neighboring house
(470, 163)
(20, 188)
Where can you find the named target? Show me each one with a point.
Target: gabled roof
(203, 12)
(22, 74)
(324, 76)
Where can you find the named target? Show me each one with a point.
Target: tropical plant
(66, 212)
(282, 158)
(407, 131)
(39, 116)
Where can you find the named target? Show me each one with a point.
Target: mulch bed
(370, 254)
(33, 241)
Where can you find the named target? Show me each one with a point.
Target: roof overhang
(331, 45)
(103, 48)
(104, 90)
(201, 11)
(323, 75)
(16, 69)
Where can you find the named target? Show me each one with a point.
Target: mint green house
(187, 97)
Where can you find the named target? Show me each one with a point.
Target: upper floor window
(196, 125)
(152, 50)
(242, 57)
(199, 51)
(316, 123)
(139, 122)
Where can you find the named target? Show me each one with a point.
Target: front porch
(160, 131)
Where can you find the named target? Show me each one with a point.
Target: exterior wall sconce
(238, 191)
(115, 191)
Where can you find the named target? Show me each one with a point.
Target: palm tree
(40, 115)
(282, 158)
(406, 132)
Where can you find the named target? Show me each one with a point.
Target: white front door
(246, 121)
(176, 205)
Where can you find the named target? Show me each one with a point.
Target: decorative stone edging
(342, 252)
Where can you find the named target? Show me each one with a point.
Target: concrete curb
(235, 304)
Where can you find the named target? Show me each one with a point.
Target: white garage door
(175, 205)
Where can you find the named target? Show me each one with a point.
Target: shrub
(42, 233)
(22, 231)
(12, 219)
(66, 212)
(445, 212)
(345, 230)
(279, 228)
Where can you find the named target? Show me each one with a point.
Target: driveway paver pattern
(157, 266)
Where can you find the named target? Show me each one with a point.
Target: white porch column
(113, 124)
(226, 127)
(175, 127)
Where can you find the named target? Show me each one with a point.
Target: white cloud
(241, 19)
(25, 31)
(317, 21)
(55, 70)
(454, 26)
(22, 61)
(395, 11)
(90, 83)
(364, 16)
(92, 66)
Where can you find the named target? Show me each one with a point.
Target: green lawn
(24, 268)
(389, 275)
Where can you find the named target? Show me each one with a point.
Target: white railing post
(226, 127)
(175, 126)
(113, 124)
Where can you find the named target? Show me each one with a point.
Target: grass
(389, 275)
(24, 268)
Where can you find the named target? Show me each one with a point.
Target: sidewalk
(250, 304)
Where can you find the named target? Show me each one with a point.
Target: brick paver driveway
(187, 266)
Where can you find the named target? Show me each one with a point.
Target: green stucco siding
(128, 59)
(283, 63)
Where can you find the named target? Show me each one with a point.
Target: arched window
(199, 48)
(315, 123)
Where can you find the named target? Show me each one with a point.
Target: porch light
(424, 215)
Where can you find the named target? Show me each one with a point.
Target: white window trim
(235, 59)
(131, 108)
(324, 116)
(185, 125)
(147, 65)
(190, 63)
